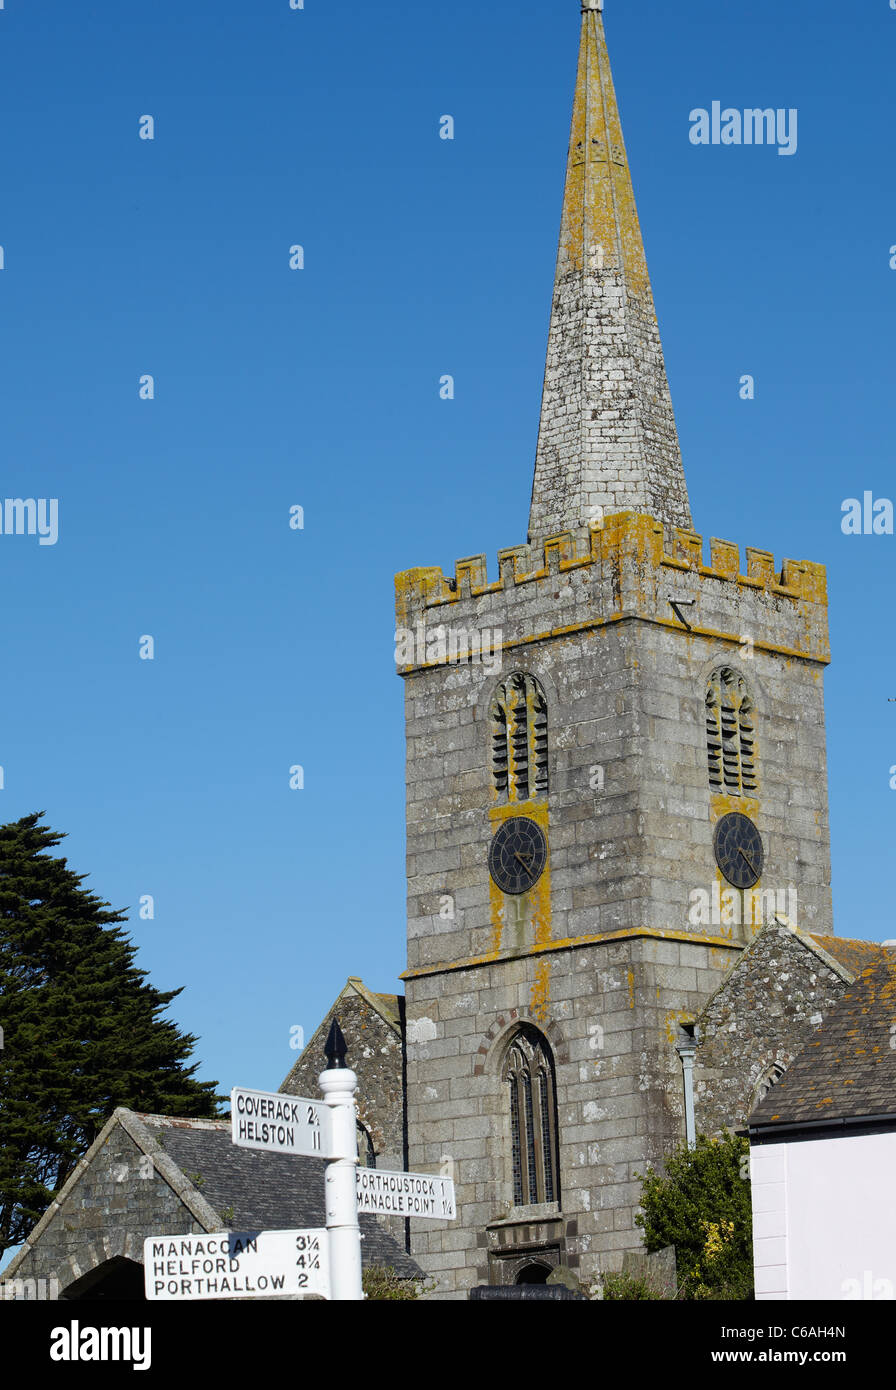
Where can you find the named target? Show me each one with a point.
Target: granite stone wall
(603, 954)
(120, 1199)
(760, 1018)
(374, 1053)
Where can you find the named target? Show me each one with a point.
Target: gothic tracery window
(730, 733)
(518, 717)
(529, 1077)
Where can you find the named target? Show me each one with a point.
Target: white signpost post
(237, 1264)
(264, 1264)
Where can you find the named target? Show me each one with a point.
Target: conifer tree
(82, 1031)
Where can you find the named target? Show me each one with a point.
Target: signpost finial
(592, 5)
(335, 1048)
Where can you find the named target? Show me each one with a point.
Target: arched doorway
(533, 1274)
(117, 1278)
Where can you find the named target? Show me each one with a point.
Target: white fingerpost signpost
(279, 1124)
(406, 1194)
(236, 1264)
(327, 1261)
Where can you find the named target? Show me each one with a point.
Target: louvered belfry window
(529, 1076)
(730, 734)
(519, 735)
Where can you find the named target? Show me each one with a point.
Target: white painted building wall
(824, 1218)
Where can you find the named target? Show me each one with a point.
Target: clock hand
(749, 861)
(522, 858)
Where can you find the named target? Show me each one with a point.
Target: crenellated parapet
(797, 578)
(627, 566)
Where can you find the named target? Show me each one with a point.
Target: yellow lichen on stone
(600, 219)
(676, 1018)
(413, 590)
(540, 994)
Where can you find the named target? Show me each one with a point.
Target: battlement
(622, 542)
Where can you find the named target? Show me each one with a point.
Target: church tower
(615, 772)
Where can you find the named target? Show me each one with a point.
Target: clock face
(738, 849)
(517, 855)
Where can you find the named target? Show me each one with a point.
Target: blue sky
(319, 387)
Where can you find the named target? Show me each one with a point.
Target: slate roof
(267, 1191)
(847, 1070)
(854, 956)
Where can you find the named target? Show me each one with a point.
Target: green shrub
(701, 1205)
(381, 1282)
(628, 1287)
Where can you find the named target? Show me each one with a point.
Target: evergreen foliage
(701, 1205)
(380, 1283)
(82, 1032)
(627, 1288)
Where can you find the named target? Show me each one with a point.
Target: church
(618, 859)
(619, 921)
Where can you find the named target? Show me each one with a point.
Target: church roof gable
(223, 1186)
(387, 1007)
(199, 1209)
(751, 960)
(847, 1070)
(844, 956)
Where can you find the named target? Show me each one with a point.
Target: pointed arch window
(518, 716)
(730, 734)
(529, 1077)
(366, 1151)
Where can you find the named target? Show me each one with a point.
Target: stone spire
(607, 436)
